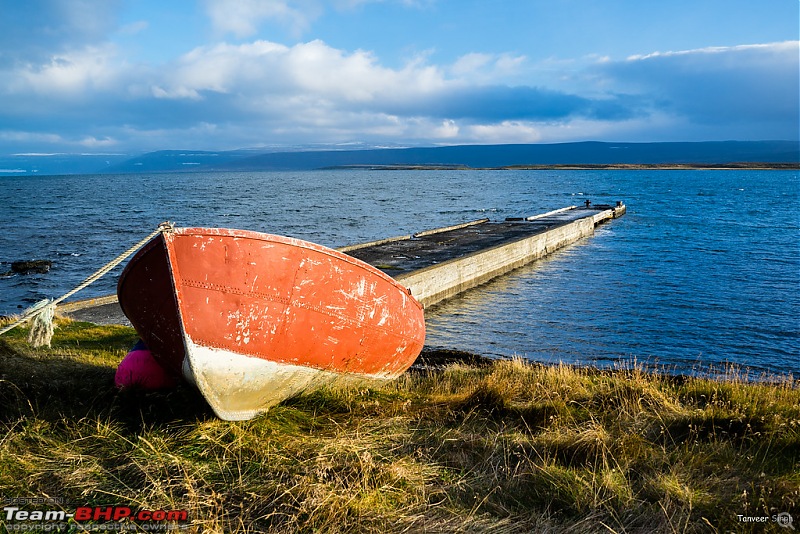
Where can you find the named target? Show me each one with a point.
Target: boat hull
(253, 318)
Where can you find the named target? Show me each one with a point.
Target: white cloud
(242, 18)
(469, 63)
(352, 4)
(480, 67)
(448, 130)
(93, 142)
(68, 75)
(787, 46)
(726, 87)
(310, 73)
(17, 136)
(505, 132)
(175, 93)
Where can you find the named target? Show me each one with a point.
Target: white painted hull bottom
(239, 387)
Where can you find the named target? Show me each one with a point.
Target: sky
(129, 76)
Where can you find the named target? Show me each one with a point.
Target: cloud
(69, 74)
(245, 18)
(480, 67)
(264, 75)
(93, 142)
(749, 86)
(75, 89)
(33, 30)
(312, 77)
(498, 103)
(447, 130)
(30, 137)
(352, 4)
(505, 132)
(242, 18)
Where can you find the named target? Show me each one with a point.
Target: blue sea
(702, 273)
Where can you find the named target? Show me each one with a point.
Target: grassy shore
(500, 446)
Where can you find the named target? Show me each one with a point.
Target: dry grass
(505, 447)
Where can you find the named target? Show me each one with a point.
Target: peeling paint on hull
(240, 387)
(254, 318)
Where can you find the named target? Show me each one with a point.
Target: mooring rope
(43, 311)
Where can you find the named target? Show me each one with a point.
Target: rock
(31, 266)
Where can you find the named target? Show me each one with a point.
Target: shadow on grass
(705, 428)
(57, 389)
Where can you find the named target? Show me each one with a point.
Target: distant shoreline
(784, 155)
(574, 166)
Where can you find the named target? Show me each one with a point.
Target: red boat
(252, 319)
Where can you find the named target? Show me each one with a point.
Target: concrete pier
(438, 264)
(441, 263)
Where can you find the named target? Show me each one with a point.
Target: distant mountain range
(590, 154)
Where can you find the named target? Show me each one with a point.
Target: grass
(502, 446)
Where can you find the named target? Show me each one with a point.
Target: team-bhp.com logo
(118, 513)
(98, 518)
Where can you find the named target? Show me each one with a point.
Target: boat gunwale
(300, 243)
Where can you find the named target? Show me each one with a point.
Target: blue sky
(125, 76)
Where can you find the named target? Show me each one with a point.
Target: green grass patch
(499, 447)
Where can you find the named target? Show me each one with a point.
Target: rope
(42, 328)
(48, 306)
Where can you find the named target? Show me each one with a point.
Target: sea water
(703, 270)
